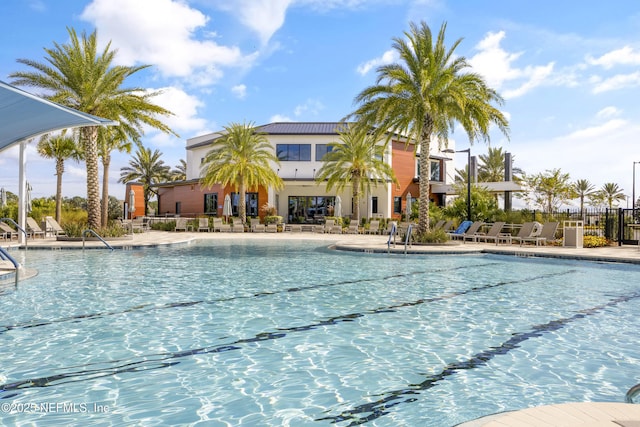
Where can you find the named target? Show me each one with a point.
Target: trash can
(573, 233)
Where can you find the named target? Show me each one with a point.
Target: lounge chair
(203, 224)
(547, 234)
(447, 226)
(256, 226)
(438, 225)
(295, 228)
(272, 228)
(374, 227)
(237, 226)
(33, 228)
(181, 224)
(219, 225)
(391, 226)
(526, 231)
(471, 232)
(140, 224)
(492, 234)
(52, 227)
(330, 226)
(7, 232)
(353, 228)
(462, 228)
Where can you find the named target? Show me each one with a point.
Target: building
(300, 147)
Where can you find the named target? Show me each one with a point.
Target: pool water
(285, 333)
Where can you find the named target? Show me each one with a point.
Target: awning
(24, 116)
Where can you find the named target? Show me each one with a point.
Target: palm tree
(108, 140)
(424, 96)
(146, 168)
(356, 160)
(583, 189)
(78, 76)
(241, 157)
(612, 194)
(551, 189)
(180, 171)
(59, 148)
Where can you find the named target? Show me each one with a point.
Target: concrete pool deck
(587, 414)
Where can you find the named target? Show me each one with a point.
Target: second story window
(293, 152)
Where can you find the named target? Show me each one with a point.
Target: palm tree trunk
(356, 198)
(59, 172)
(89, 137)
(425, 175)
(106, 161)
(242, 203)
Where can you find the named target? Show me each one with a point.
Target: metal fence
(612, 224)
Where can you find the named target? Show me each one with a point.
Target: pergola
(23, 117)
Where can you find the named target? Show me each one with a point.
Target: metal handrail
(407, 237)
(88, 230)
(26, 238)
(392, 233)
(632, 393)
(5, 255)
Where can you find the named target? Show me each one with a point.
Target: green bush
(273, 219)
(432, 236)
(75, 229)
(164, 226)
(594, 242)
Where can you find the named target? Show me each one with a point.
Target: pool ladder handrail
(88, 230)
(632, 393)
(407, 239)
(392, 233)
(26, 236)
(5, 256)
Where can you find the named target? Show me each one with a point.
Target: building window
(322, 150)
(309, 209)
(374, 204)
(435, 171)
(178, 208)
(211, 204)
(293, 152)
(251, 203)
(397, 205)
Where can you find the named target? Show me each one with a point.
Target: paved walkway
(586, 414)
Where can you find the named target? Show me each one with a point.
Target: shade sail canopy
(24, 116)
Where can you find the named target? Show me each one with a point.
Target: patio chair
(237, 226)
(438, 225)
(140, 224)
(471, 232)
(181, 224)
(219, 225)
(7, 232)
(492, 234)
(526, 231)
(256, 226)
(374, 227)
(547, 234)
(272, 228)
(447, 226)
(203, 224)
(462, 228)
(52, 226)
(33, 228)
(353, 228)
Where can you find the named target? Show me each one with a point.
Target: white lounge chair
(547, 234)
(203, 224)
(374, 227)
(219, 225)
(256, 226)
(33, 228)
(181, 224)
(491, 235)
(53, 227)
(7, 232)
(526, 231)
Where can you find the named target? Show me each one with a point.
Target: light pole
(468, 151)
(633, 194)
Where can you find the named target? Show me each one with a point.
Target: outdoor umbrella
(3, 198)
(408, 206)
(28, 201)
(226, 207)
(337, 210)
(132, 202)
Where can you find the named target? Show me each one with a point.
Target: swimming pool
(280, 332)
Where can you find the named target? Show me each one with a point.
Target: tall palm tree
(179, 173)
(583, 189)
(612, 194)
(424, 96)
(109, 140)
(241, 157)
(146, 168)
(356, 160)
(77, 75)
(59, 148)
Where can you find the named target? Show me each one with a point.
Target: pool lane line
(161, 359)
(408, 394)
(153, 307)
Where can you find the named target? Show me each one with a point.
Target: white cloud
(165, 38)
(496, 66)
(388, 57)
(280, 118)
(596, 132)
(240, 91)
(618, 81)
(310, 107)
(608, 112)
(623, 56)
(263, 17)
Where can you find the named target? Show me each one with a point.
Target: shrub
(432, 236)
(164, 226)
(75, 229)
(273, 219)
(594, 242)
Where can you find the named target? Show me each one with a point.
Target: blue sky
(568, 70)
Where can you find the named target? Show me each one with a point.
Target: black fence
(613, 224)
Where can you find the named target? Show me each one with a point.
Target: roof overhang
(493, 187)
(24, 116)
